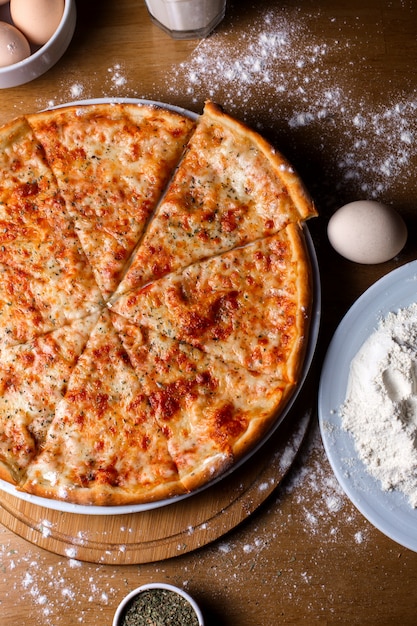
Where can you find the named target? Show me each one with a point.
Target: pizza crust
(104, 495)
(8, 475)
(296, 189)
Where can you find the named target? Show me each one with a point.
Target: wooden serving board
(167, 531)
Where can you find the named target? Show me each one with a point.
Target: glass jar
(187, 19)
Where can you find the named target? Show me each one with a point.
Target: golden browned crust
(105, 495)
(259, 427)
(7, 474)
(305, 300)
(205, 471)
(282, 167)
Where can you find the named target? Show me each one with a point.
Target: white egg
(367, 232)
(14, 46)
(37, 19)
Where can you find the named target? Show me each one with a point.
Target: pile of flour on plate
(380, 409)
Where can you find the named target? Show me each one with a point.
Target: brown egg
(37, 19)
(14, 46)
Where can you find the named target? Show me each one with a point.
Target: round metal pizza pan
(68, 507)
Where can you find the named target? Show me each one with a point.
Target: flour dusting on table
(380, 410)
(279, 69)
(282, 72)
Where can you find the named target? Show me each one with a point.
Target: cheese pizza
(46, 279)
(33, 379)
(103, 445)
(155, 300)
(210, 411)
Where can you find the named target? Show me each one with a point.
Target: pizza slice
(46, 279)
(103, 446)
(112, 163)
(231, 188)
(212, 413)
(44, 285)
(33, 379)
(249, 306)
(29, 195)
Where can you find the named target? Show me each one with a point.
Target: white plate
(58, 505)
(389, 512)
(117, 100)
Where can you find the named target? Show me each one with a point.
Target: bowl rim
(40, 51)
(168, 587)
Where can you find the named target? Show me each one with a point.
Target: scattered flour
(117, 76)
(359, 537)
(278, 75)
(76, 90)
(380, 410)
(318, 494)
(51, 591)
(283, 74)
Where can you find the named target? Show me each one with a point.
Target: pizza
(103, 444)
(33, 379)
(154, 418)
(46, 279)
(155, 300)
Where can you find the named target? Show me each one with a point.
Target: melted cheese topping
(227, 191)
(207, 408)
(112, 165)
(102, 434)
(247, 306)
(46, 280)
(33, 379)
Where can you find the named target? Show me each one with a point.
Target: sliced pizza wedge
(212, 413)
(112, 162)
(45, 282)
(249, 306)
(45, 278)
(103, 446)
(33, 379)
(231, 188)
(29, 195)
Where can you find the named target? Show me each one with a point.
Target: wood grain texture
(349, 71)
(169, 530)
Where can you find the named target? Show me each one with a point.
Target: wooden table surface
(334, 85)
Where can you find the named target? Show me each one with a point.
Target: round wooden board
(171, 530)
